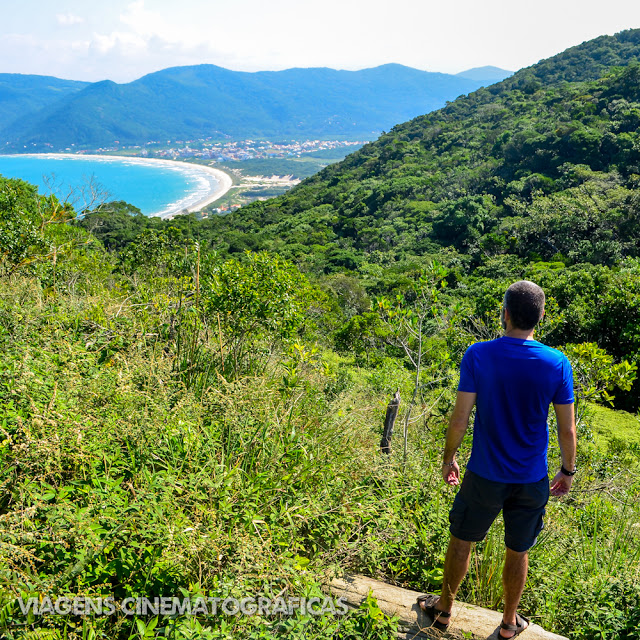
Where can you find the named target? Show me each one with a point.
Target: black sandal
(428, 605)
(518, 627)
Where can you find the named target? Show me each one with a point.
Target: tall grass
(124, 474)
(133, 462)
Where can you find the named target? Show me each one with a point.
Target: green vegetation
(181, 416)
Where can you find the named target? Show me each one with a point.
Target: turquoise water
(155, 188)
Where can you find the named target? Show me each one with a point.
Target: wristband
(566, 472)
(448, 464)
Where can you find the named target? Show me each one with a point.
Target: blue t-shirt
(516, 381)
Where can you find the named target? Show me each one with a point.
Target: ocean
(157, 188)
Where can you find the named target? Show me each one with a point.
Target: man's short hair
(525, 302)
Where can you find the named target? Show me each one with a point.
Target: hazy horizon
(124, 40)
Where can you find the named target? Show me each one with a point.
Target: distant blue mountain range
(205, 101)
(486, 75)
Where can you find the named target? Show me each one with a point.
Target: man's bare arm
(565, 418)
(458, 424)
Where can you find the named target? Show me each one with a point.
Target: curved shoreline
(224, 184)
(223, 181)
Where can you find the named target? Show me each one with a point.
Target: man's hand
(560, 485)
(451, 474)
(458, 423)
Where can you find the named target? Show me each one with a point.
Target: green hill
(493, 173)
(205, 101)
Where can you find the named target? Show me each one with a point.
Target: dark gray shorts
(479, 501)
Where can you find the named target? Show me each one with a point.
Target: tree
(259, 299)
(362, 334)
(596, 376)
(412, 323)
(28, 222)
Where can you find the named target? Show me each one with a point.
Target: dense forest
(194, 407)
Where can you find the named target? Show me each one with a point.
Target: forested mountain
(535, 166)
(208, 101)
(587, 61)
(24, 95)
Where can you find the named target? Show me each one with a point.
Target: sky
(122, 40)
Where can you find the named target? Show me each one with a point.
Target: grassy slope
(609, 425)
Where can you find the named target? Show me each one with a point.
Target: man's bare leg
(514, 576)
(456, 564)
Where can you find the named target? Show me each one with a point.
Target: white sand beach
(224, 184)
(218, 186)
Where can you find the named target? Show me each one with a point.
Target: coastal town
(264, 179)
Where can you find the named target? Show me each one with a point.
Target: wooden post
(198, 277)
(389, 421)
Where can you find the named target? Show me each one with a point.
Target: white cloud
(61, 55)
(119, 42)
(147, 23)
(144, 41)
(68, 19)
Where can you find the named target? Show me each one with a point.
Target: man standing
(511, 381)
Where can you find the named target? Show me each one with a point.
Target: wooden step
(467, 621)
